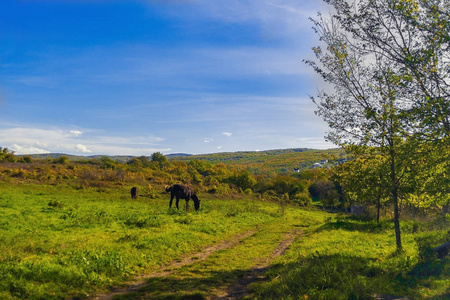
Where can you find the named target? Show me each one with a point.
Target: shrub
(61, 160)
(7, 155)
(302, 199)
(27, 159)
(244, 180)
(325, 191)
(283, 184)
(426, 243)
(220, 189)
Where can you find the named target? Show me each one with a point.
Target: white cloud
(82, 148)
(34, 140)
(226, 133)
(76, 132)
(27, 150)
(207, 140)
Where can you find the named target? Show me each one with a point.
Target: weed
(143, 221)
(56, 204)
(185, 220)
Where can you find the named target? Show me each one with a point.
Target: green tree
(387, 61)
(27, 159)
(243, 180)
(108, 163)
(429, 178)
(7, 155)
(202, 167)
(159, 158)
(63, 159)
(325, 191)
(141, 161)
(363, 181)
(412, 38)
(372, 104)
(283, 184)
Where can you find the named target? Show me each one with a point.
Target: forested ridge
(278, 161)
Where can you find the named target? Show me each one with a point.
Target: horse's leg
(171, 199)
(178, 200)
(187, 204)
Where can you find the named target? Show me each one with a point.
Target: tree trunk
(394, 192)
(378, 209)
(398, 239)
(379, 198)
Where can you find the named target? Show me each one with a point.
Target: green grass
(66, 243)
(59, 241)
(223, 268)
(348, 259)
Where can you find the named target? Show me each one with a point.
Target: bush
(302, 199)
(61, 160)
(7, 155)
(426, 243)
(27, 159)
(220, 189)
(244, 180)
(283, 184)
(326, 192)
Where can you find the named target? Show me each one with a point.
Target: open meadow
(60, 242)
(90, 90)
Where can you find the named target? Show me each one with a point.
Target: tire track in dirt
(240, 288)
(169, 268)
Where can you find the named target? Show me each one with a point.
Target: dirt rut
(236, 290)
(168, 269)
(240, 288)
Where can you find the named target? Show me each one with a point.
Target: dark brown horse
(179, 191)
(134, 192)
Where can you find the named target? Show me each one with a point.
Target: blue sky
(135, 77)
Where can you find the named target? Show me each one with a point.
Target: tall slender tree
(387, 65)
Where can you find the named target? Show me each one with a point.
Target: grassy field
(66, 243)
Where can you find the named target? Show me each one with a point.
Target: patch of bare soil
(239, 289)
(168, 269)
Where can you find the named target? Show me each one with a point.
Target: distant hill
(121, 158)
(173, 155)
(280, 161)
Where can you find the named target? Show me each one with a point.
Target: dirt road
(234, 288)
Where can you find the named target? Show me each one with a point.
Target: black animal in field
(179, 191)
(134, 192)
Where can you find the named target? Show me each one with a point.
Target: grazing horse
(182, 192)
(134, 192)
